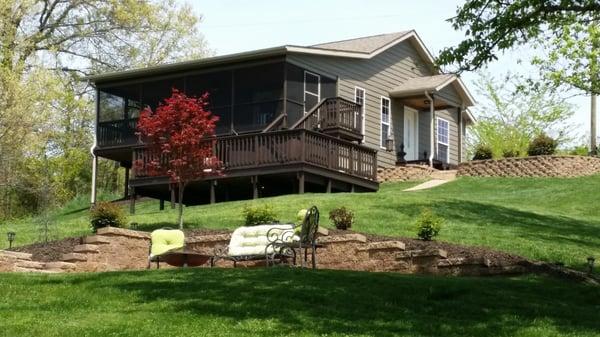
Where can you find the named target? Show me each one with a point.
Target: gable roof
(366, 44)
(359, 48)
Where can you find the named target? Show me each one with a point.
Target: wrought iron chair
(285, 242)
(162, 241)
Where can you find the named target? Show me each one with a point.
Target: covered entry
(434, 118)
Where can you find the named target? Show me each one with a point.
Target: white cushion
(253, 240)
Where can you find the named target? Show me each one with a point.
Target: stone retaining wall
(539, 166)
(404, 173)
(122, 249)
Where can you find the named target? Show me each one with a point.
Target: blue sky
(231, 26)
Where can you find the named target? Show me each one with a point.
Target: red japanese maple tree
(179, 138)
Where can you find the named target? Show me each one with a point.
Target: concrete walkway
(439, 178)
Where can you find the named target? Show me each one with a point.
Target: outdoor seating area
(274, 244)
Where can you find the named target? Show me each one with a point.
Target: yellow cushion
(164, 240)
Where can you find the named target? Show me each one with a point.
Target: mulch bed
(53, 250)
(50, 251)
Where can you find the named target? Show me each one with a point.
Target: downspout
(94, 158)
(431, 128)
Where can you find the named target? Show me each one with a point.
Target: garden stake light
(11, 238)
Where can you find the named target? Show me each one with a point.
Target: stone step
(59, 265)
(418, 253)
(444, 175)
(86, 248)
(33, 270)
(382, 250)
(30, 264)
(352, 237)
(96, 240)
(74, 257)
(16, 255)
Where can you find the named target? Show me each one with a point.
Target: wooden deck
(281, 152)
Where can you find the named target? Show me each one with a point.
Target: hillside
(555, 220)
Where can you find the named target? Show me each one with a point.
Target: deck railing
(116, 133)
(278, 148)
(330, 113)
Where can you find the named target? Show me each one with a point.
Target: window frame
(381, 122)
(318, 88)
(437, 137)
(363, 108)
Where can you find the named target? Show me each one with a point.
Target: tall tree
(179, 137)
(46, 47)
(571, 27)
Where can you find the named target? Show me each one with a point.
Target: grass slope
(545, 218)
(292, 302)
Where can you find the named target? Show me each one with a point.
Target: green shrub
(510, 153)
(542, 145)
(581, 150)
(342, 218)
(259, 214)
(428, 225)
(107, 214)
(482, 152)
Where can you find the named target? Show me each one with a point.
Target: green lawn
(292, 302)
(544, 218)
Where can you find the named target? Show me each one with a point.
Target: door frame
(415, 138)
(318, 88)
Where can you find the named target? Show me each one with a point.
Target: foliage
(491, 27)
(105, 214)
(542, 145)
(482, 152)
(579, 150)
(259, 214)
(341, 217)
(508, 118)
(510, 154)
(428, 225)
(46, 108)
(180, 135)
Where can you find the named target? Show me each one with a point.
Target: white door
(411, 136)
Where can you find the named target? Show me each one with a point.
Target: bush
(482, 152)
(581, 150)
(542, 145)
(428, 225)
(107, 214)
(259, 214)
(341, 217)
(510, 153)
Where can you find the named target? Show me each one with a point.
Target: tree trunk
(181, 189)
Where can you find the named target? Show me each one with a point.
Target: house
(295, 119)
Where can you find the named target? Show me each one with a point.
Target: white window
(385, 119)
(443, 137)
(359, 98)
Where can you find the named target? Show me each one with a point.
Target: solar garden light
(11, 238)
(590, 263)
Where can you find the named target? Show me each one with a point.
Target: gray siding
(424, 133)
(377, 76)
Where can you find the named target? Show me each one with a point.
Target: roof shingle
(366, 45)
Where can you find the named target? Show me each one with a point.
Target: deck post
(126, 188)
(352, 188)
(172, 196)
(132, 201)
(161, 205)
(254, 180)
(328, 190)
(213, 198)
(301, 183)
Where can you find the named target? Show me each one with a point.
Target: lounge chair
(163, 241)
(274, 242)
